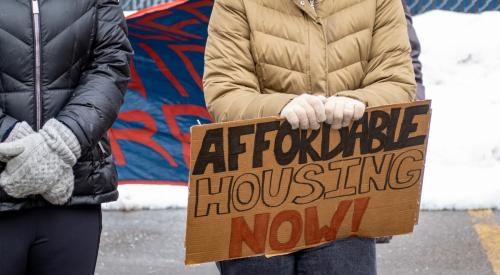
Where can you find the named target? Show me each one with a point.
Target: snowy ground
(461, 58)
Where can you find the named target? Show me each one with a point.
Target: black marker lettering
(205, 157)
(235, 146)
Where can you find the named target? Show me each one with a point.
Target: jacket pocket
(95, 177)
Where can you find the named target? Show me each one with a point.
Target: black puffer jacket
(81, 79)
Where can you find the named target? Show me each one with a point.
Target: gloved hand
(306, 111)
(20, 130)
(341, 111)
(41, 163)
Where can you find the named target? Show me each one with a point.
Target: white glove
(341, 111)
(305, 111)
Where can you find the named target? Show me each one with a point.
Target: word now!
(266, 230)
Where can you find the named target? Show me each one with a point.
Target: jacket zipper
(102, 148)
(38, 88)
(327, 70)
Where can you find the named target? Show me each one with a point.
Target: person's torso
(44, 47)
(321, 50)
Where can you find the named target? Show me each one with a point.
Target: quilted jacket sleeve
(389, 78)
(230, 82)
(7, 123)
(96, 101)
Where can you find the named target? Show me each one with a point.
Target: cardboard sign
(258, 187)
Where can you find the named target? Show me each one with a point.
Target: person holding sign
(310, 62)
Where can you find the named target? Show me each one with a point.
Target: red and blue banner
(150, 140)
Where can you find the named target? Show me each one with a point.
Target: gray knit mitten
(41, 163)
(20, 130)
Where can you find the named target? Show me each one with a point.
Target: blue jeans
(350, 256)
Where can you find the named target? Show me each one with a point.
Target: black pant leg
(17, 232)
(67, 241)
(260, 265)
(352, 256)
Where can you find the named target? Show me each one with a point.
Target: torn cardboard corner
(257, 187)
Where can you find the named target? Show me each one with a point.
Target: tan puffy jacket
(262, 53)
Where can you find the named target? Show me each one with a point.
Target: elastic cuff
(66, 135)
(77, 130)
(354, 95)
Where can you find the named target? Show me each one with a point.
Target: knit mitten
(41, 163)
(20, 130)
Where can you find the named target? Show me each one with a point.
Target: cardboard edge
(417, 215)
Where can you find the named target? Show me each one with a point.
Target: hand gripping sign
(258, 187)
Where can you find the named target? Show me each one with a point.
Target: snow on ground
(461, 59)
(127, 13)
(152, 197)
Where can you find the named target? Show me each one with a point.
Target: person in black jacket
(64, 69)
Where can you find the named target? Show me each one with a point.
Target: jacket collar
(306, 7)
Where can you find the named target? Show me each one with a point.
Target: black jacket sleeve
(96, 101)
(415, 53)
(7, 123)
